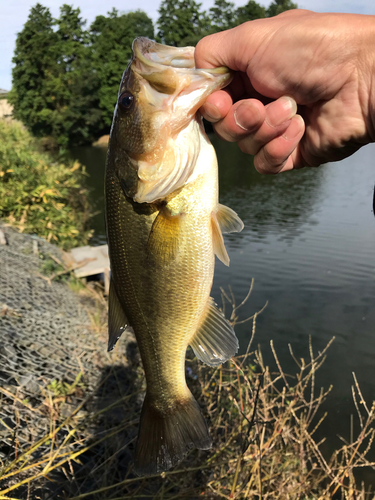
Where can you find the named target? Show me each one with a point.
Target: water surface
(309, 244)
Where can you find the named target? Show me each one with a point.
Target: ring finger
(278, 115)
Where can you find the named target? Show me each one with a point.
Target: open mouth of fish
(166, 91)
(171, 71)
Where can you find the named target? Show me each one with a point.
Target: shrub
(39, 195)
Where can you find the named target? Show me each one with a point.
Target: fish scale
(164, 227)
(181, 288)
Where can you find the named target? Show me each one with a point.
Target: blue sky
(15, 13)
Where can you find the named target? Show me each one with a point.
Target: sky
(15, 13)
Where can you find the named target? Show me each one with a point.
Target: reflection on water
(94, 159)
(309, 243)
(284, 202)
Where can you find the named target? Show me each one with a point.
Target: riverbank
(69, 411)
(55, 372)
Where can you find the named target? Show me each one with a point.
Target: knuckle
(223, 134)
(249, 145)
(267, 163)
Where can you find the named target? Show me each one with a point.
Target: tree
(112, 39)
(54, 87)
(252, 10)
(278, 6)
(35, 64)
(222, 16)
(181, 22)
(76, 115)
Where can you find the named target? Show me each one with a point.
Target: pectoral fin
(164, 236)
(215, 340)
(228, 220)
(117, 321)
(218, 241)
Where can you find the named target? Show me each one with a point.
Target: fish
(164, 226)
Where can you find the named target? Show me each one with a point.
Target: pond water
(308, 242)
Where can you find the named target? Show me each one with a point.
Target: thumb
(233, 48)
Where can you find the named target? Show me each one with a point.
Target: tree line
(66, 77)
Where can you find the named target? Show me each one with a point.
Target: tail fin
(165, 437)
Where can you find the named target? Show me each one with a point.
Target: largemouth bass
(164, 227)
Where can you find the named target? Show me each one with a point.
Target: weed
(51, 268)
(61, 388)
(76, 284)
(262, 424)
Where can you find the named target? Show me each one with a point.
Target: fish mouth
(171, 90)
(170, 71)
(154, 54)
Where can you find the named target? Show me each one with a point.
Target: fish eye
(126, 100)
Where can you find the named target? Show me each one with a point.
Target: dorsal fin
(117, 320)
(215, 340)
(164, 236)
(218, 241)
(228, 220)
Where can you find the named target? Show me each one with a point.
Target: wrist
(371, 96)
(366, 68)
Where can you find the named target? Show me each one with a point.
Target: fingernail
(211, 112)
(245, 114)
(285, 109)
(294, 129)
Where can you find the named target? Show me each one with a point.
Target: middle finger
(252, 124)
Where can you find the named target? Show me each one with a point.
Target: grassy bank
(262, 424)
(39, 194)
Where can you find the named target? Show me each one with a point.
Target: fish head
(159, 96)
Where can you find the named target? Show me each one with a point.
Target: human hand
(324, 63)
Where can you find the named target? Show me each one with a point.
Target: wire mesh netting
(49, 349)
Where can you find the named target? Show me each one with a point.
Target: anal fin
(215, 341)
(117, 320)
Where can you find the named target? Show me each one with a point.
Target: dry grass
(262, 424)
